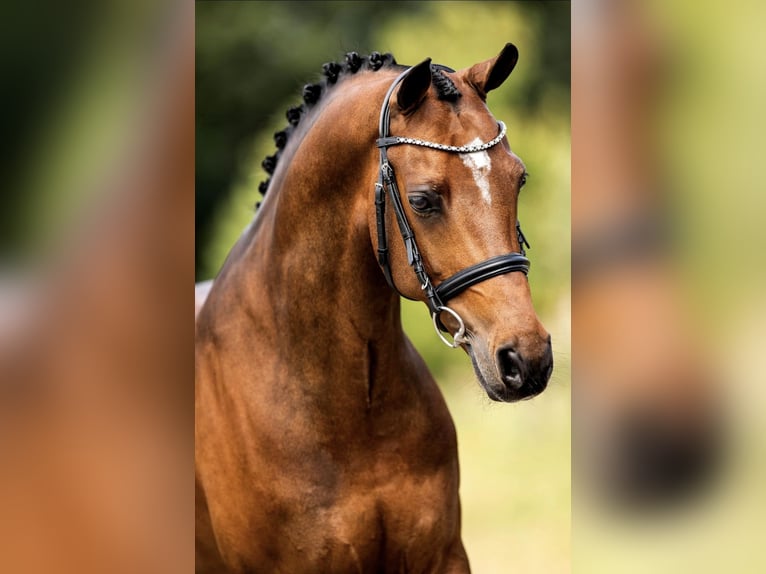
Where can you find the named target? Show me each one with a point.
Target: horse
(323, 443)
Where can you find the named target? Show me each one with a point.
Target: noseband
(436, 297)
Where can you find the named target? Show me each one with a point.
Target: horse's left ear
(489, 75)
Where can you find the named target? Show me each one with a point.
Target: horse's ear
(489, 75)
(414, 86)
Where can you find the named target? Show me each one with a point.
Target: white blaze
(480, 165)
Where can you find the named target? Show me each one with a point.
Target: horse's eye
(423, 203)
(523, 180)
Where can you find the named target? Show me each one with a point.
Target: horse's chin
(493, 385)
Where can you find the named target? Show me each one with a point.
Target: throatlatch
(436, 297)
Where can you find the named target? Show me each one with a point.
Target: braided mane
(312, 93)
(445, 88)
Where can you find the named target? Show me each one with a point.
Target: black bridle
(436, 296)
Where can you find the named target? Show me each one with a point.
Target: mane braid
(445, 88)
(312, 93)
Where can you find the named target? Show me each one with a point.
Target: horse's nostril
(509, 362)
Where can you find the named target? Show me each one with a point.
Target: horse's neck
(304, 276)
(312, 270)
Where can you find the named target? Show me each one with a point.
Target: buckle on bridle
(458, 337)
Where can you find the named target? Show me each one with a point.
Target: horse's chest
(403, 524)
(297, 499)
(354, 513)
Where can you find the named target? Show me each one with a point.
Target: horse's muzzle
(521, 377)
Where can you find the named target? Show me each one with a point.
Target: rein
(436, 296)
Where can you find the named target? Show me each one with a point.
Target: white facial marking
(480, 166)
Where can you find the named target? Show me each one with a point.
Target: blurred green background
(252, 60)
(78, 79)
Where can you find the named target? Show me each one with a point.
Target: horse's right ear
(414, 86)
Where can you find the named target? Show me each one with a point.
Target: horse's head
(459, 199)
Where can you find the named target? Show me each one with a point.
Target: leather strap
(474, 274)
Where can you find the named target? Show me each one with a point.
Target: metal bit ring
(458, 337)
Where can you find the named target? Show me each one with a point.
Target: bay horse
(323, 443)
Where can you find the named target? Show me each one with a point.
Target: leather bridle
(436, 296)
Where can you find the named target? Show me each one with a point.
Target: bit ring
(458, 337)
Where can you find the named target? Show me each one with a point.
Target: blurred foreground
(667, 305)
(96, 332)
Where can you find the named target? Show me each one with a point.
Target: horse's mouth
(496, 388)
